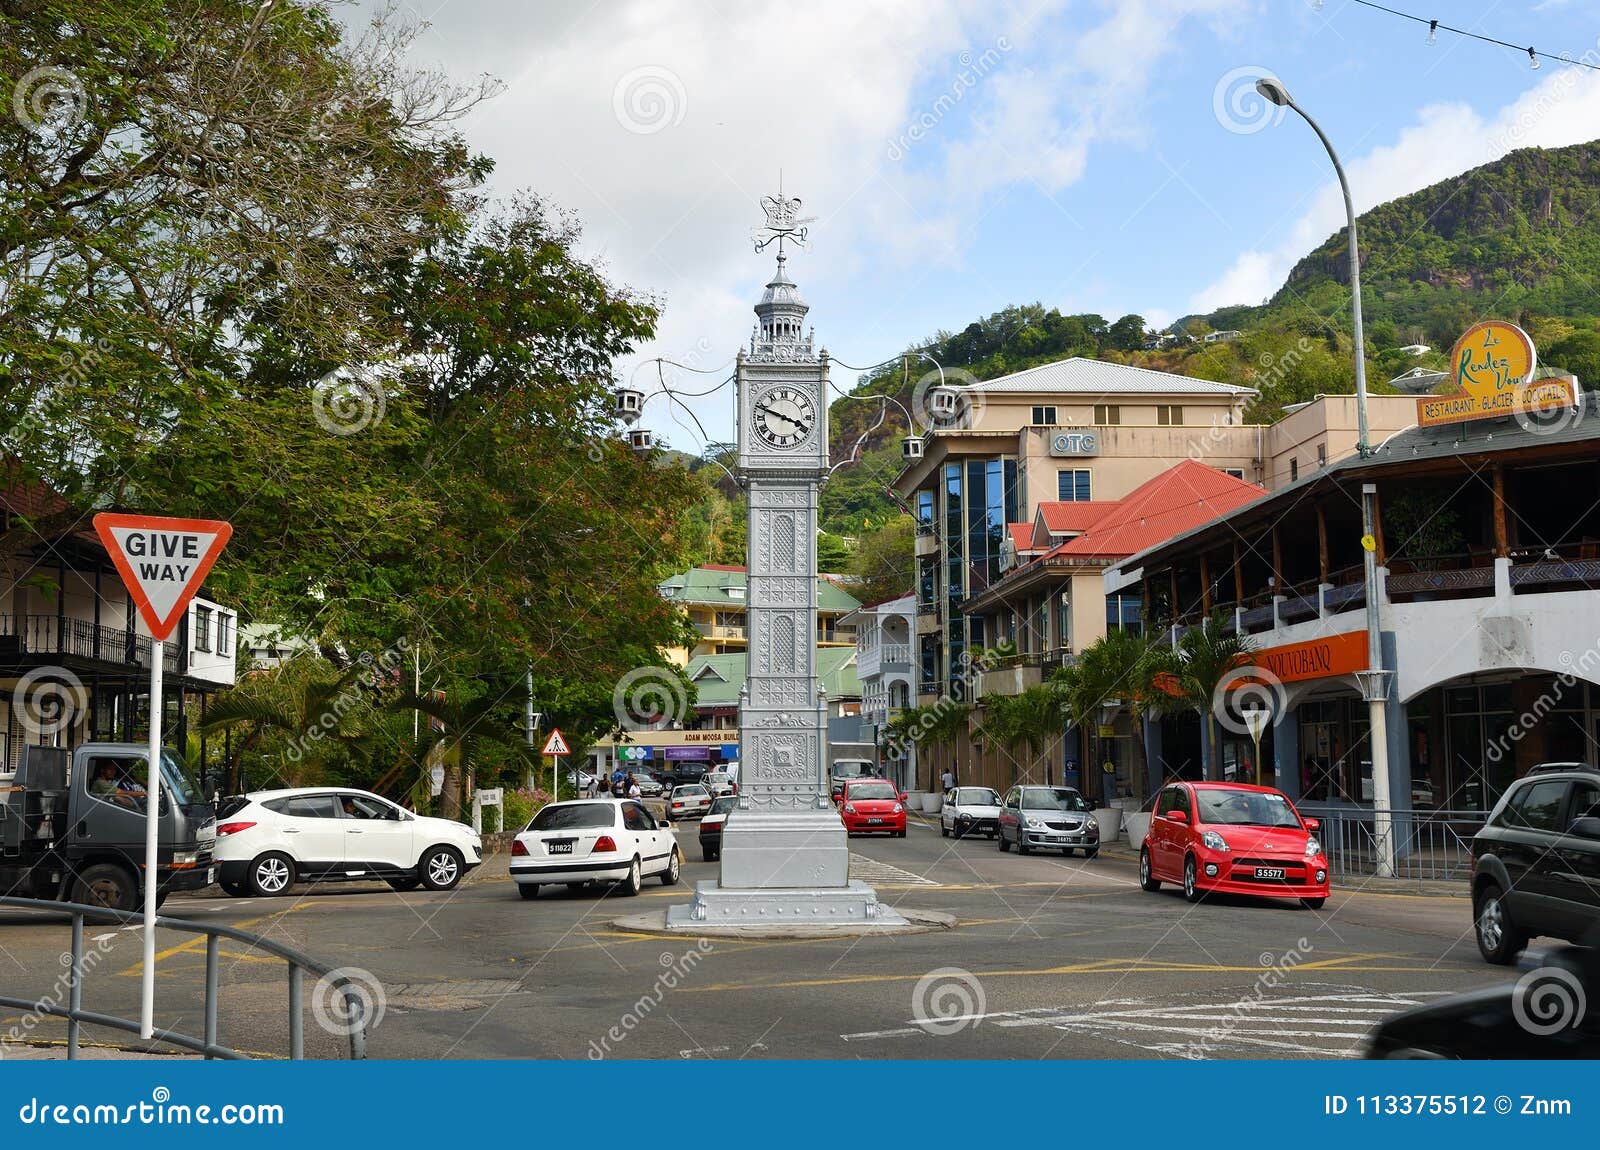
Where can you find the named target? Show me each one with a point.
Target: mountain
(1518, 239)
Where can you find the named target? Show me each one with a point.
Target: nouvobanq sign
(1492, 368)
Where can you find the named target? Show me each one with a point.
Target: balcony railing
(58, 635)
(720, 630)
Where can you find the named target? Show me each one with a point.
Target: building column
(1155, 768)
(1286, 752)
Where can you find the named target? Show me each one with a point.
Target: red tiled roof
(723, 567)
(1021, 536)
(1060, 517)
(1178, 500)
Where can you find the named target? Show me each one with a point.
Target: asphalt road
(1052, 958)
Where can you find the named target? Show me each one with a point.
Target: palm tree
(1119, 667)
(460, 729)
(937, 725)
(307, 702)
(1196, 674)
(1029, 721)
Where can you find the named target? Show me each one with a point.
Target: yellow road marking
(196, 944)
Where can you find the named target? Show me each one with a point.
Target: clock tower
(784, 850)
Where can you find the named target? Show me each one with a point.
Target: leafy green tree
(458, 732)
(1195, 675)
(1028, 723)
(1121, 666)
(1579, 353)
(883, 562)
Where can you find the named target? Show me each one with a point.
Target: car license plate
(874, 822)
(211, 875)
(560, 848)
(1269, 872)
(1056, 838)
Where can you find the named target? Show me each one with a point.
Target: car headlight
(1313, 847)
(897, 809)
(849, 808)
(1214, 841)
(1034, 824)
(185, 858)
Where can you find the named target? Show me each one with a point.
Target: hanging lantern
(911, 447)
(944, 402)
(641, 439)
(630, 402)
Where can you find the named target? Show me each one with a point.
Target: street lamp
(1375, 680)
(1255, 721)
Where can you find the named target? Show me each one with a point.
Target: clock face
(784, 416)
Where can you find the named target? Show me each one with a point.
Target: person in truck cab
(104, 783)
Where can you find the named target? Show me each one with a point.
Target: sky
(1104, 156)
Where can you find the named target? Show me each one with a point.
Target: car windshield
(179, 780)
(881, 790)
(579, 816)
(1245, 808)
(977, 797)
(689, 792)
(1053, 799)
(723, 805)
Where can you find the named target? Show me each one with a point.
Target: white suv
(323, 834)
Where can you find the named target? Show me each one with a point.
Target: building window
(925, 508)
(1107, 414)
(1072, 485)
(224, 633)
(202, 628)
(1169, 415)
(1123, 613)
(736, 592)
(1236, 472)
(1044, 417)
(1294, 470)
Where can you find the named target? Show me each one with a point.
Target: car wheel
(1147, 880)
(1191, 887)
(271, 874)
(107, 885)
(944, 831)
(409, 882)
(1005, 845)
(1498, 940)
(440, 868)
(1022, 842)
(234, 889)
(528, 889)
(669, 877)
(634, 883)
(1313, 903)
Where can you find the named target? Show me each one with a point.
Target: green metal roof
(708, 586)
(719, 678)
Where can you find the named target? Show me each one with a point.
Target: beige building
(713, 599)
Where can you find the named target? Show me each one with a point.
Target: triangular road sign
(556, 744)
(162, 561)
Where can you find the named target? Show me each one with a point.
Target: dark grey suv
(1536, 862)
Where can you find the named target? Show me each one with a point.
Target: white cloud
(1561, 110)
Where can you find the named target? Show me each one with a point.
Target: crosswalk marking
(881, 873)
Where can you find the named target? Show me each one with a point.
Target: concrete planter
(932, 802)
(1138, 825)
(1110, 820)
(914, 800)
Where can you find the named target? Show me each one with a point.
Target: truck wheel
(107, 885)
(271, 874)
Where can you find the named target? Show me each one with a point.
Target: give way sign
(162, 561)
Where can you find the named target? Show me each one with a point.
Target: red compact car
(873, 805)
(1235, 839)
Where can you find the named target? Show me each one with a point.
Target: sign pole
(152, 844)
(555, 779)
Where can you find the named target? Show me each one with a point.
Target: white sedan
(322, 834)
(688, 799)
(970, 810)
(594, 840)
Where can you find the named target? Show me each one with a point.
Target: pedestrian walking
(949, 779)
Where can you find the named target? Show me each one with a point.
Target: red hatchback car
(873, 805)
(1233, 838)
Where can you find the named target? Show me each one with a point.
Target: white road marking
(872, 871)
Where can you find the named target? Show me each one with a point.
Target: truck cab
(72, 826)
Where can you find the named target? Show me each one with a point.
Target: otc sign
(1492, 367)
(162, 561)
(1074, 443)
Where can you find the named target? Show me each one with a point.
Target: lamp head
(1273, 91)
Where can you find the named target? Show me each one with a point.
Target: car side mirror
(1313, 824)
(1587, 827)
(903, 796)
(1178, 816)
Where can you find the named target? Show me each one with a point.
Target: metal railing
(207, 1045)
(66, 635)
(1430, 845)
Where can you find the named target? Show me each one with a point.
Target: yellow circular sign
(1368, 543)
(1492, 356)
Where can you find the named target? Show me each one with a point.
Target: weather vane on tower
(784, 221)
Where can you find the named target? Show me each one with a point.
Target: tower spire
(780, 312)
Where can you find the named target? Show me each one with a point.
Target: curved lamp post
(1374, 680)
